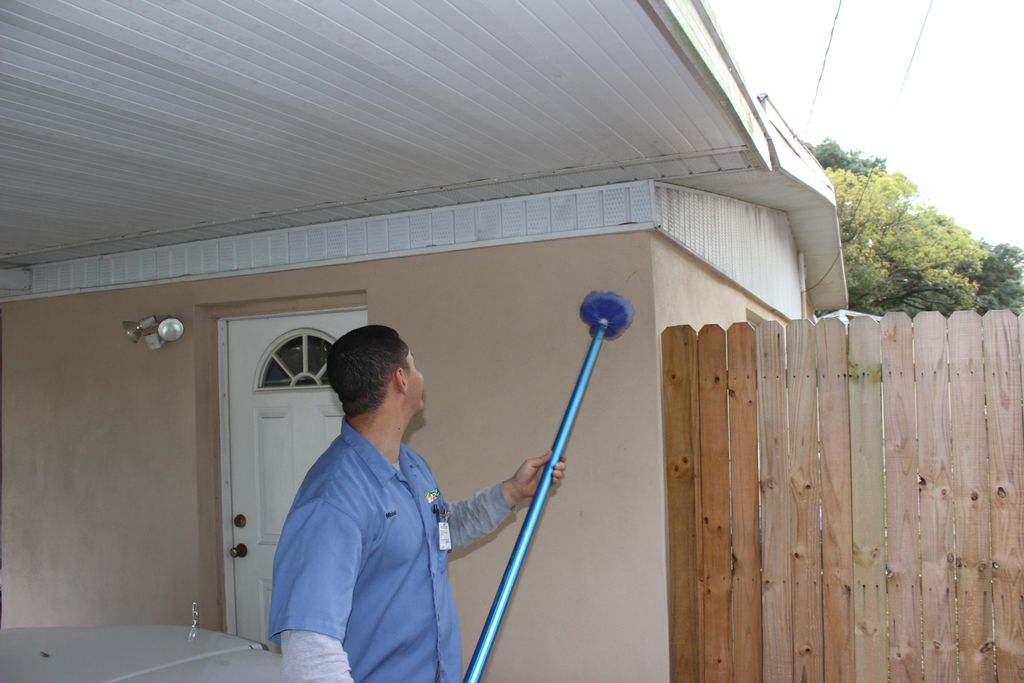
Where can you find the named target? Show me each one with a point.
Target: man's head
(363, 363)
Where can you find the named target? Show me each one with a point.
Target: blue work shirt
(359, 560)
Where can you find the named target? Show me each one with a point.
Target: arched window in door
(296, 360)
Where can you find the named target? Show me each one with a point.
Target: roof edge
(690, 27)
(789, 154)
(792, 159)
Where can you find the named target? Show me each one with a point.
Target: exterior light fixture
(155, 332)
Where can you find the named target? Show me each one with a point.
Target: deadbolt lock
(240, 520)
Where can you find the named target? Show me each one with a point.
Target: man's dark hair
(360, 366)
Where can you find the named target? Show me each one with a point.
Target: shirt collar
(369, 454)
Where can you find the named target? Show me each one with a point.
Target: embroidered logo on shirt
(432, 495)
(390, 513)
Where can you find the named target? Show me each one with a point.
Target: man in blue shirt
(360, 586)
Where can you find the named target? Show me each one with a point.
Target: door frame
(227, 575)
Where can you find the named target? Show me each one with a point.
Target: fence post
(976, 641)
(899, 412)
(865, 373)
(1006, 484)
(936, 500)
(836, 500)
(777, 504)
(682, 481)
(716, 627)
(746, 536)
(805, 483)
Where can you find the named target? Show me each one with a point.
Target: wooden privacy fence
(846, 504)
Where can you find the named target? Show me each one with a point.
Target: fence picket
(746, 533)
(717, 656)
(836, 502)
(805, 482)
(1001, 331)
(972, 501)
(679, 382)
(936, 510)
(865, 373)
(901, 472)
(776, 504)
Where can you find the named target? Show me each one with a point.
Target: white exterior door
(281, 415)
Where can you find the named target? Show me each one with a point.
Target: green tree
(1000, 284)
(830, 155)
(900, 254)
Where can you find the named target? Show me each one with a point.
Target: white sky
(957, 129)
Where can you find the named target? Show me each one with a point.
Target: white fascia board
(690, 25)
(815, 221)
(791, 156)
(816, 232)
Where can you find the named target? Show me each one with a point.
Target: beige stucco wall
(111, 459)
(692, 293)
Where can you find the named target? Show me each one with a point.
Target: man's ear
(401, 380)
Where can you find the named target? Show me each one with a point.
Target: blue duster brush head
(606, 309)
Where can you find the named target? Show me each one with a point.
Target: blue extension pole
(515, 563)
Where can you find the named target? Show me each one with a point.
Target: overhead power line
(824, 60)
(914, 53)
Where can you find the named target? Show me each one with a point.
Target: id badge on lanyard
(444, 533)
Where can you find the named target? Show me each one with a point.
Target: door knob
(239, 551)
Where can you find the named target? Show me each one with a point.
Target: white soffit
(130, 125)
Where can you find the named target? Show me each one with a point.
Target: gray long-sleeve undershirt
(309, 657)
